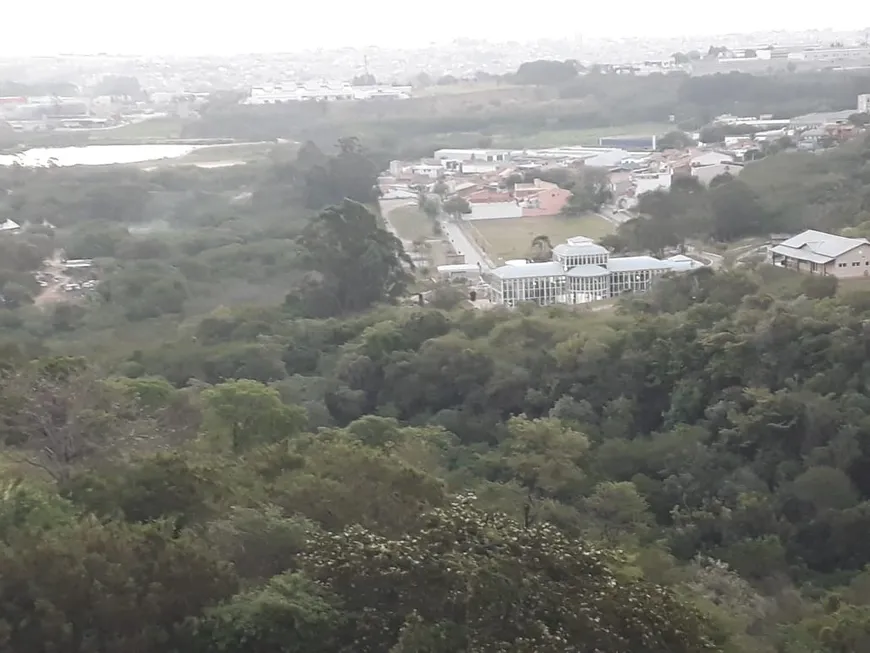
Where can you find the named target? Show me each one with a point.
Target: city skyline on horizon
(95, 26)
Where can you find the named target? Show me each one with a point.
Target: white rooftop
(636, 264)
(529, 271)
(587, 271)
(681, 262)
(822, 117)
(584, 249)
(458, 267)
(817, 246)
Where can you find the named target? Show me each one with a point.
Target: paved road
(715, 260)
(459, 240)
(463, 244)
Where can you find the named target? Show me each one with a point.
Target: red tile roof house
(537, 199)
(521, 191)
(486, 196)
(541, 198)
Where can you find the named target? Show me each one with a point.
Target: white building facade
(323, 92)
(581, 271)
(478, 155)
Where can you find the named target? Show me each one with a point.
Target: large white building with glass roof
(581, 271)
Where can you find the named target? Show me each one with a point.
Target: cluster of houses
(633, 163)
(81, 112)
(481, 175)
(501, 184)
(324, 91)
(580, 270)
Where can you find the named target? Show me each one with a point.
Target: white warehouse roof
(587, 271)
(529, 271)
(586, 249)
(682, 263)
(636, 264)
(818, 246)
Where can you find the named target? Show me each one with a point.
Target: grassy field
(512, 237)
(411, 223)
(578, 136)
(160, 127)
(228, 152)
(462, 88)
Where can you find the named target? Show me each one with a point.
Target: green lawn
(161, 127)
(512, 237)
(463, 88)
(411, 223)
(228, 152)
(578, 136)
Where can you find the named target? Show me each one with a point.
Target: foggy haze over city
(198, 27)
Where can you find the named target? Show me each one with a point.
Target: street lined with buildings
(492, 185)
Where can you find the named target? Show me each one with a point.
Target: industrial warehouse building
(581, 271)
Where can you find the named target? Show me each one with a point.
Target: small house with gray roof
(817, 252)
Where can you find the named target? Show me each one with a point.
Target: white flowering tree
(475, 581)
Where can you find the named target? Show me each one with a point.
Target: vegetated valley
(244, 439)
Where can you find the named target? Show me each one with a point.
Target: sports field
(555, 138)
(512, 237)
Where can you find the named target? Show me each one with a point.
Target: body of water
(95, 155)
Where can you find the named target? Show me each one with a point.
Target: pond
(95, 155)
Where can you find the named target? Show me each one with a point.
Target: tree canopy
(245, 438)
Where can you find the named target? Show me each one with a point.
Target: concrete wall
(495, 211)
(649, 184)
(478, 167)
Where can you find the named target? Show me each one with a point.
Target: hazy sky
(232, 26)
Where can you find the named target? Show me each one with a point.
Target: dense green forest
(243, 442)
(171, 242)
(710, 439)
(521, 106)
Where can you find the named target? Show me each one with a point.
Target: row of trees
(552, 97)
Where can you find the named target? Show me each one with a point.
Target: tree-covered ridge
(704, 447)
(292, 472)
(179, 241)
(543, 96)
